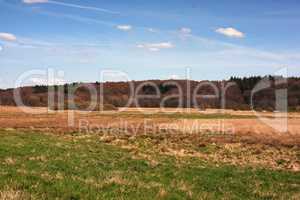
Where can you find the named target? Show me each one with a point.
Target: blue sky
(149, 39)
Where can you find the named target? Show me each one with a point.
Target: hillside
(155, 93)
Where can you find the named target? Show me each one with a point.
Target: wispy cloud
(230, 32)
(32, 43)
(207, 49)
(91, 8)
(223, 54)
(152, 30)
(185, 30)
(35, 1)
(282, 13)
(174, 77)
(8, 37)
(86, 20)
(124, 27)
(156, 46)
(1, 48)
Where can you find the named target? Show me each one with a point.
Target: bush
(40, 89)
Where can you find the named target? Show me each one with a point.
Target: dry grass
(13, 117)
(10, 194)
(239, 141)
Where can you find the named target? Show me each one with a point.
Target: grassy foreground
(41, 166)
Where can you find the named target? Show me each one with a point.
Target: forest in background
(118, 94)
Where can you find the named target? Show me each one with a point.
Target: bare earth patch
(234, 137)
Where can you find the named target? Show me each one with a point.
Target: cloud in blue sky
(174, 77)
(91, 8)
(8, 37)
(156, 46)
(35, 1)
(160, 35)
(77, 18)
(184, 33)
(185, 30)
(124, 27)
(230, 32)
(152, 30)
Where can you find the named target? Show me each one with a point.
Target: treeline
(117, 94)
(266, 99)
(246, 83)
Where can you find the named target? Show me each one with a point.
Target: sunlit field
(41, 157)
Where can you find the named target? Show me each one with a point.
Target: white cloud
(35, 1)
(153, 49)
(86, 20)
(8, 37)
(174, 77)
(163, 45)
(185, 30)
(230, 32)
(1, 48)
(71, 5)
(152, 30)
(156, 46)
(184, 33)
(124, 27)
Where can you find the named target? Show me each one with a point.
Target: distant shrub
(40, 89)
(294, 109)
(149, 89)
(166, 88)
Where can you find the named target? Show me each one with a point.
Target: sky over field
(149, 39)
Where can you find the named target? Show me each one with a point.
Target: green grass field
(44, 166)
